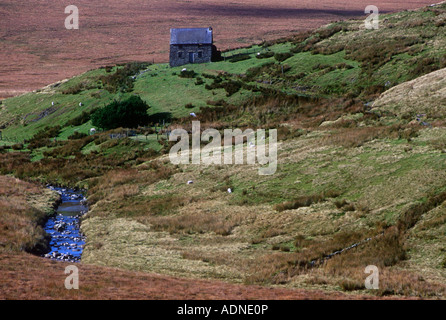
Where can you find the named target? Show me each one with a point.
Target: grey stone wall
(182, 54)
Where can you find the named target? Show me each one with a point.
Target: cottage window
(180, 54)
(200, 54)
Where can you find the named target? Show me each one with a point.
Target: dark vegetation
(84, 117)
(241, 57)
(122, 79)
(129, 113)
(188, 74)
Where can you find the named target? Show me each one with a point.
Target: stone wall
(181, 54)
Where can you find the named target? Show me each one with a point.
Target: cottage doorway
(191, 57)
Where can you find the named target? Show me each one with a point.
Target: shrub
(282, 56)
(41, 138)
(18, 146)
(231, 86)
(241, 57)
(81, 119)
(209, 76)
(122, 79)
(74, 89)
(425, 65)
(351, 285)
(199, 81)
(188, 74)
(329, 32)
(339, 204)
(129, 113)
(77, 135)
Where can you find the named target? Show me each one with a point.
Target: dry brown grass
(26, 277)
(202, 231)
(23, 209)
(404, 99)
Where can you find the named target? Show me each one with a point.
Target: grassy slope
(423, 96)
(200, 230)
(24, 276)
(166, 92)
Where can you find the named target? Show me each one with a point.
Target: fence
(121, 135)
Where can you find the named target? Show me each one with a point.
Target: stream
(67, 241)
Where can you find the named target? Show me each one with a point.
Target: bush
(188, 74)
(231, 87)
(199, 81)
(351, 285)
(129, 113)
(84, 117)
(77, 88)
(77, 135)
(241, 57)
(122, 79)
(282, 56)
(18, 146)
(41, 138)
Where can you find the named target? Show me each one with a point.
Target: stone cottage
(191, 45)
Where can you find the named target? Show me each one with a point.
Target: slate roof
(191, 36)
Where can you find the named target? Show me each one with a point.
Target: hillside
(357, 173)
(423, 97)
(24, 276)
(39, 51)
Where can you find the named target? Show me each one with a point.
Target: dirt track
(36, 49)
